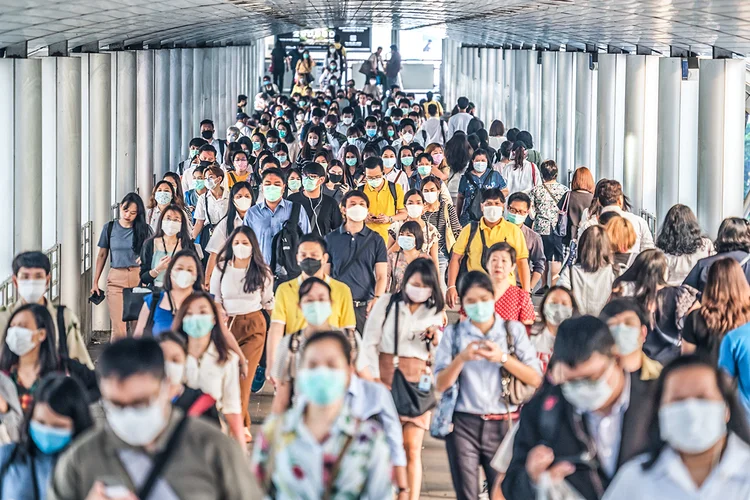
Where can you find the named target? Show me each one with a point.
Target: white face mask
(183, 279)
(357, 213)
(430, 196)
(417, 294)
(414, 211)
(175, 372)
(693, 425)
(492, 213)
(31, 290)
(242, 251)
(389, 162)
(137, 426)
(588, 395)
(557, 313)
(408, 137)
(210, 183)
(626, 337)
(347, 120)
(20, 340)
(243, 204)
(171, 227)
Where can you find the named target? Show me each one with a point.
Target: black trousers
(360, 313)
(472, 444)
(278, 79)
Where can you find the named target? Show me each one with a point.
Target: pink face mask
(437, 158)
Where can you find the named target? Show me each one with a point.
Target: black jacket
(549, 419)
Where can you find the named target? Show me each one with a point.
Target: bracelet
(403, 490)
(452, 286)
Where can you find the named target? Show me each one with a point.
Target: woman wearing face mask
(391, 170)
(546, 201)
(28, 355)
(520, 173)
(241, 163)
(122, 240)
(439, 165)
(294, 182)
(419, 308)
(305, 67)
(243, 285)
(477, 178)
(408, 247)
(703, 439)
(211, 206)
(557, 305)
(258, 144)
(286, 459)
(211, 366)
(481, 341)
(389, 132)
(170, 237)
(161, 197)
(323, 158)
(415, 204)
(286, 136)
(241, 200)
(441, 214)
(335, 187)
(194, 402)
(282, 153)
(57, 417)
(406, 160)
(313, 144)
(354, 173)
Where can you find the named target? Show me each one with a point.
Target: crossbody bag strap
(395, 337)
(551, 195)
(160, 461)
(359, 251)
(62, 333)
(208, 215)
(327, 493)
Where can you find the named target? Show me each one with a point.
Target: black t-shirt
(186, 400)
(696, 332)
(323, 212)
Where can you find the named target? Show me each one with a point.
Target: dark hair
(579, 338)
(141, 229)
(307, 151)
(520, 196)
(172, 336)
(185, 252)
(505, 149)
(207, 122)
(734, 234)
(549, 170)
(310, 282)
(373, 162)
(625, 304)
(457, 153)
(257, 272)
(594, 249)
(519, 150)
(525, 137)
(497, 129)
(426, 269)
(493, 194)
(680, 233)
(433, 179)
(340, 338)
(737, 423)
(511, 134)
(31, 260)
(217, 336)
(177, 190)
(463, 102)
(414, 192)
(474, 279)
(647, 274)
(49, 360)
(609, 193)
(432, 109)
(553, 289)
(313, 238)
(354, 193)
(238, 153)
(414, 228)
(502, 247)
(197, 142)
(231, 209)
(183, 236)
(423, 156)
(131, 356)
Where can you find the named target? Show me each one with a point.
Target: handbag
(442, 417)
(410, 400)
(514, 391)
(132, 302)
(561, 226)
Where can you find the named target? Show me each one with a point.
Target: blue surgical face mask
(424, 170)
(281, 158)
(351, 161)
(163, 197)
(391, 132)
(282, 133)
(279, 112)
(351, 140)
(256, 145)
(371, 132)
(407, 161)
(480, 312)
(516, 219)
(407, 242)
(322, 386)
(49, 440)
(198, 325)
(316, 313)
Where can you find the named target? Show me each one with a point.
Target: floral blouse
(546, 206)
(431, 238)
(396, 268)
(301, 466)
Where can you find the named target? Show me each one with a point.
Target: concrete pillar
(207, 85)
(125, 124)
(677, 138)
(175, 99)
(721, 130)
(145, 123)
(7, 122)
(546, 140)
(222, 120)
(508, 96)
(498, 86)
(214, 96)
(27, 162)
(583, 133)
(198, 114)
(187, 129)
(100, 159)
(483, 96)
(641, 115)
(490, 86)
(161, 113)
(564, 145)
(610, 123)
(534, 96)
(521, 90)
(69, 179)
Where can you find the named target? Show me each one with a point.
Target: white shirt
(187, 179)
(220, 381)
(431, 128)
(643, 237)
(521, 179)
(399, 177)
(669, 479)
(399, 143)
(217, 208)
(459, 121)
(219, 238)
(679, 266)
(379, 337)
(228, 290)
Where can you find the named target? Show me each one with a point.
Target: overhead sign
(321, 38)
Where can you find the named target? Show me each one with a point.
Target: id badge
(425, 383)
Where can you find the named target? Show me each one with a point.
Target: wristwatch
(503, 358)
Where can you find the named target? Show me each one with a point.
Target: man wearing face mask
(347, 118)
(322, 210)
(31, 278)
(518, 209)
(386, 198)
(629, 324)
(193, 149)
(207, 132)
(335, 138)
(316, 116)
(362, 110)
(407, 129)
(588, 425)
(477, 237)
(371, 135)
(202, 462)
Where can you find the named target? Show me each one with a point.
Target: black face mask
(310, 266)
(205, 163)
(207, 134)
(336, 178)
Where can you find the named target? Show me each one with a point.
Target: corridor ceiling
(697, 25)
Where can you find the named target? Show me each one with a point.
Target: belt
(360, 303)
(501, 416)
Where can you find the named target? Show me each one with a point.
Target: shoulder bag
(161, 459)
(561, 226)
(514, 392)
(442, 419)
(409, 399)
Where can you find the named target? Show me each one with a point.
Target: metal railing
(651, 220)
(86, 248)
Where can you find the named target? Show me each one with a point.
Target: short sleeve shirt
(515, 305)
(120, 247)
(545, 199)
(503, 231)
(217, 209)
(287, 310)
(468, 188)
(359, 275)
(381, 203)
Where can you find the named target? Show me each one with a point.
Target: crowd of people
(377, 262)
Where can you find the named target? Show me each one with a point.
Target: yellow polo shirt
(504, 231)
(234, 177)
(286, 308)
(381, 203)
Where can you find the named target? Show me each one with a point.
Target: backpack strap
(160, 461)
(533, 175)
(294, 216)
(745, 260)
(208, 214)
(155, 298)
(392, 189)
(110, 226)
(234, 181)
(62, 334)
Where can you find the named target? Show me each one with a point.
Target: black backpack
(475, 205)
(284, 248)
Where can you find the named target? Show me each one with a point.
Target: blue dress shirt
(266, 223)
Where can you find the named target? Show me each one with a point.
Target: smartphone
(97, 298)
